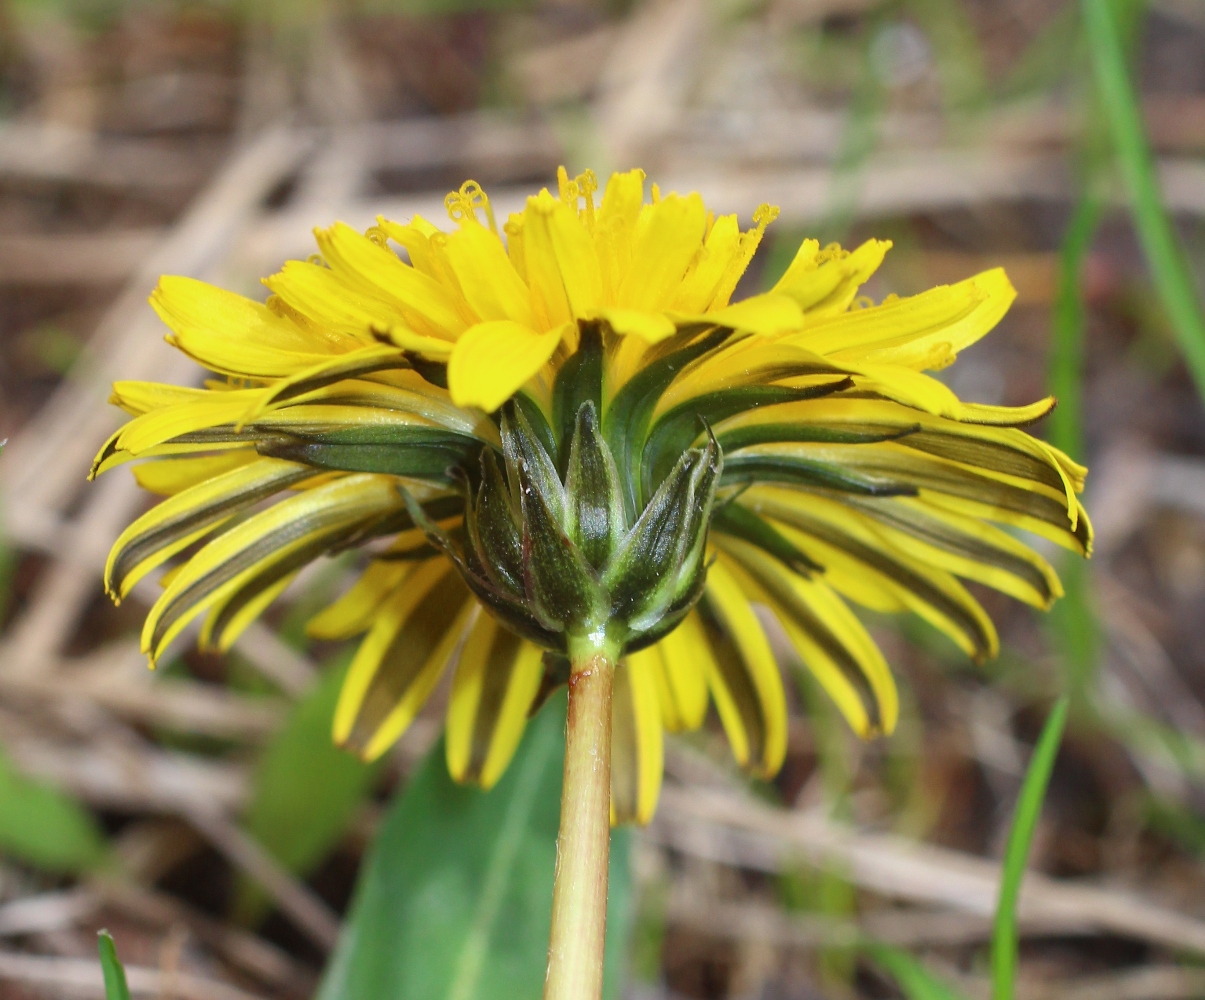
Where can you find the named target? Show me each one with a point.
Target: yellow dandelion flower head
(562, 431)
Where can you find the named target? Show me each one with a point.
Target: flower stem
(579, 896)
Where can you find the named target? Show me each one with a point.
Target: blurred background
(200, 814)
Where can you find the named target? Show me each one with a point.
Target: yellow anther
(764, 215)
(566, 189)
(831, 252)
(656, 193)
(475, 197)
(463, 204)
(587, 184)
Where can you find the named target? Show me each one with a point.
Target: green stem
(579, 896)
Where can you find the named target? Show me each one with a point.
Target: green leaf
(42, 827)
(454, 901)
(1173, 279)
(305, 790)
(1029, 808)
(915, 981)
(114, 973)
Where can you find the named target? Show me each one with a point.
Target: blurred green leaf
(454, 900)
(1056, 51)
(42, 827)
(114, 973)
(915, 981)
(1025, 822)
(1175, 822)
(305, 792)
(956, 50)
(1172, 277)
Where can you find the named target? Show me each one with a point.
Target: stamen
(656, 193)
(567, 189)
(587, 184)
(463, 204)
(514, 243)
(477, 198)
(831, 252)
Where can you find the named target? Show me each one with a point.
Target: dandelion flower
(580, 383)
(562, 439)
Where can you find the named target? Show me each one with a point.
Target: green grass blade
(1069, 323)
(115, 975)
(1073, 623)
(914, 980)
(1029, 807)
(1170, 271)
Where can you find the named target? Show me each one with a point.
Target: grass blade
(1169, 268)
(115, 974)
(1066, 429)
(1029, 808)
(914, 980)
(1073, 622)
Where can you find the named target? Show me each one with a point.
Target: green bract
(555, 554)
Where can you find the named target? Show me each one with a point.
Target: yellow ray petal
(922, 331)
(429, 307)
(182, 519)
(174, 475)
(651, 327)
(667, 240)
(234, 335)
(637, 759)
(745, 683)
(614, 227)
(298, 528)
(828, 636)
(824, 283)
(549, 301)
(354, 612)
(496, 681)
(698, 287)
(415, 633)
(682, 664)
(487, 278)
(491, 361)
